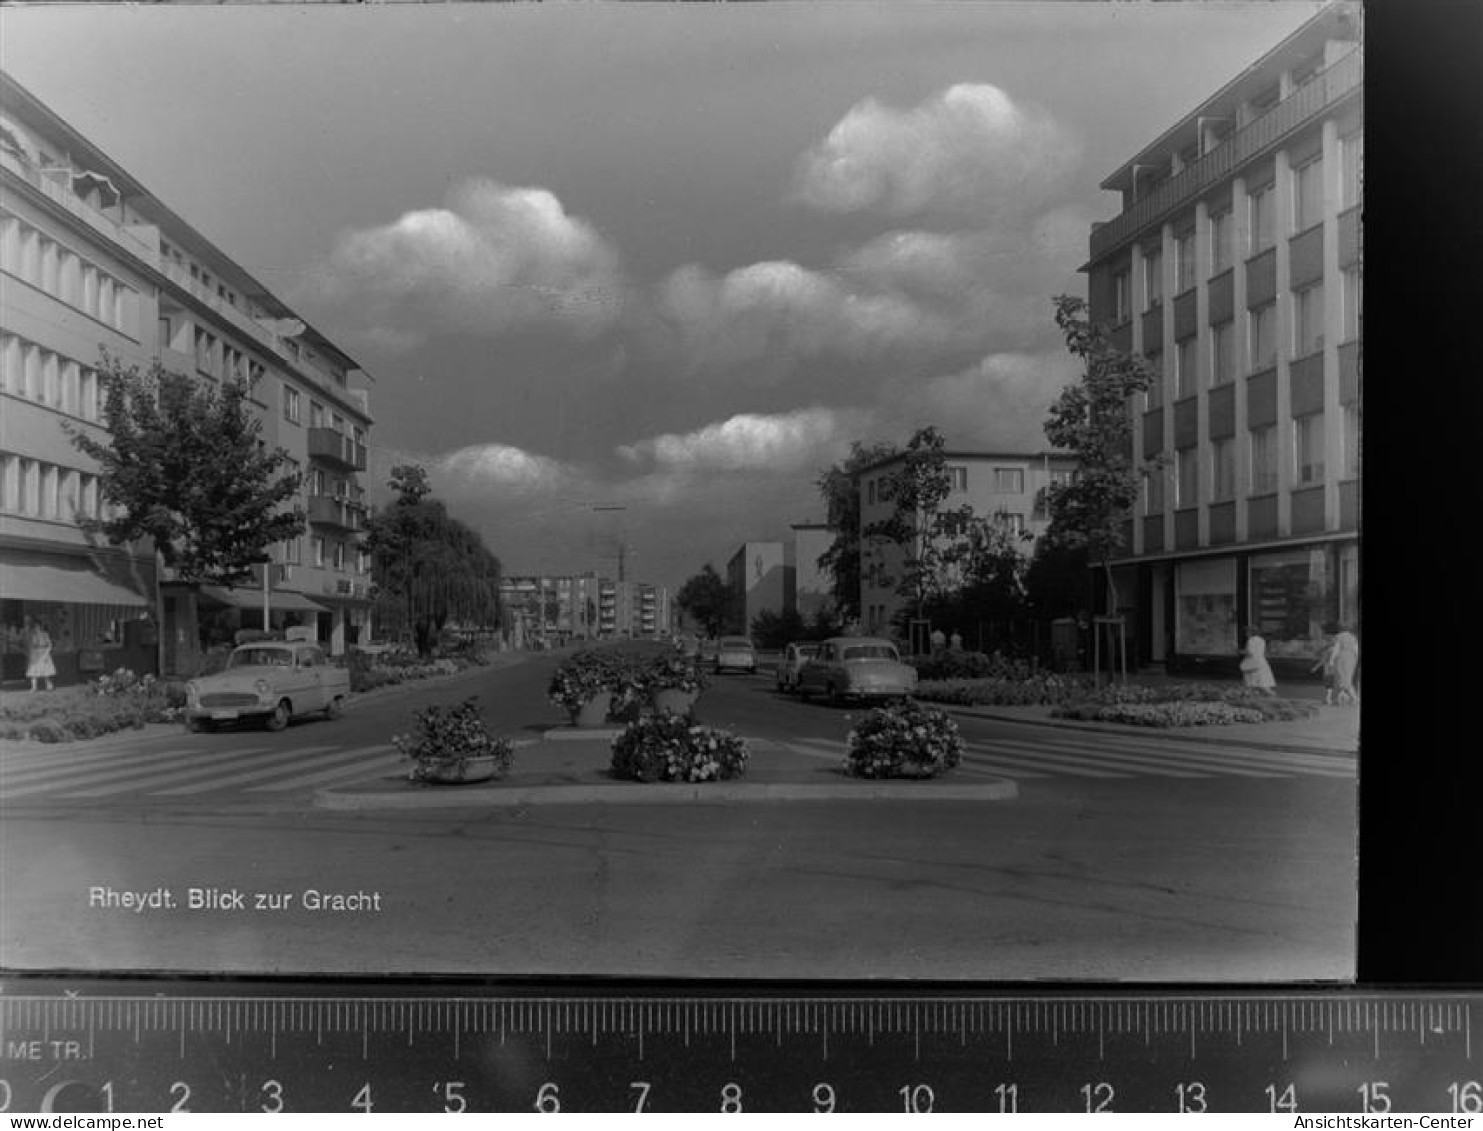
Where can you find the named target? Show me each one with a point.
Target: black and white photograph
(828, 493)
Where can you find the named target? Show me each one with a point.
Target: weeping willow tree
(428, 567)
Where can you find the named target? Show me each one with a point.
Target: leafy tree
(1092, 420)
(184, 467)
(774, 630)
(929, 537)
(1056, 580)
(428, 567)
(840, 487)
(706, 599)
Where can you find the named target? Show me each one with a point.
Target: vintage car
(735, 653)
(856, 667)
(271, 681)
(791, 662)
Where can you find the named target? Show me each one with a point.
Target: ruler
(250, 1047)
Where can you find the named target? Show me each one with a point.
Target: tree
(776, 630)
(929, 537)
(706, 599)
(840, 487)
(428, 567)
(183, 466)
(1092, 420)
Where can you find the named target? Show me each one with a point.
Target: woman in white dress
(1255, 671)
(39, 665)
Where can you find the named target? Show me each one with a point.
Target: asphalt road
(1127, 860)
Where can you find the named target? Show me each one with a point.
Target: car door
(809, 672)
(310, 696)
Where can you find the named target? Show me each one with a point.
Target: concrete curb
(639, 793)
(1172, 734)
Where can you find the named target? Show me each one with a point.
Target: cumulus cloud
(503, 466)
(783, 442)
(1000, 401)
(494, 259)
(970, 148)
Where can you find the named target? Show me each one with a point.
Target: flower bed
(904, 739)
(668, 747)
(1037, 690)
(119, 700)
(386, 669)
(1182, 705)
(1186, 713)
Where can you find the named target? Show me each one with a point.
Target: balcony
(342, 514)
(61, 194)
(336, 449)
(1304, 104)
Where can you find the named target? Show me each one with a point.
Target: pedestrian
(955, 641)
(39, 665)
(939, 641)
(1345, 648)
(1326, 663)
(1255, 671)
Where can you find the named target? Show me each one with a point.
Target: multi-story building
(1009, 487)
(561, 608)
(756, 576)
(809, 588)
(92, 260)
(1234, 267)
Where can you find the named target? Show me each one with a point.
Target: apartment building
(1234, 267)
(809, 588)
(1009, 487)
(90, 259)
(561, 608)
(757, 578)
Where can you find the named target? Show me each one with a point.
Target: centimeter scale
(246, 1047)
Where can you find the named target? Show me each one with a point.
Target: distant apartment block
(1008, 487)
(563, 608)
(1234, 267)
(92, 259)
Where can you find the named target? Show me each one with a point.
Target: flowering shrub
(448, 738)
(115, 702)
(971, 665)
(901, 740)
(668, 747)
(369, 671)
(582, 677)
(1036, 690)
(1185, 713)
(674, 670)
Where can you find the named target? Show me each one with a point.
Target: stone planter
(594, 712)
(459, 771)
(673, 699)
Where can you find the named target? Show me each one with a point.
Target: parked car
(735, 653)
(705, 651)
(792, 662)
(856, 667)
(271, 681)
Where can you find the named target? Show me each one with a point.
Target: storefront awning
(67, 586)
(285, 600)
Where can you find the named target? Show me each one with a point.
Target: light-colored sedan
(735, 653)
(857, 667)
(271, 681)
(791, 663)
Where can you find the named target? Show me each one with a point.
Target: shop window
(1205, 608)
(1290, 600)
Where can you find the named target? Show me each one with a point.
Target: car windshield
(260, 657)
(869, 652)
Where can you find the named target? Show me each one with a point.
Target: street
(1122, 858)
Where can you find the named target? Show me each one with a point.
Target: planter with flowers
(673, 681)
(454, 746)
(903, 740)
(585, 686)
(668, 747)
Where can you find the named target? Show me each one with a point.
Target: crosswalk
(174, 770)
(1111, 757)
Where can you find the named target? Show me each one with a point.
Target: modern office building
(809, 588)
(1009, 487)
(90, 259)
(1234, 267)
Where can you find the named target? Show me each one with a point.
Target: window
(7, 482)
(958, 477)
(1307, 331)
(1009, 480)
(1349, 299)
(1187, 481)
(316, 414)
(88, 393)
(1222, 353)
(318, 545)
(1122, 307)
(1264, 460)
(1263, 327)
(1222, 237)
(1351, 168)
(1153, 491)
(1154, 397)
(1222, 469)
(1184, 261)
(1307, 195)
(1186, 366)
(339, 555)
(1014, 523)
(291, 403)
(1153, 279)
(1263, 217)
(1351, 440)
(1307, 432)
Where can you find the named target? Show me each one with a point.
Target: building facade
(560, 609)
(1234, 268)
(1009, 487)
(91, 261)
(757, 578)
(809, 588)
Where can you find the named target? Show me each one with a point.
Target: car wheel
(199, 726)
(279, 718)
(833, 694)
(335, 708)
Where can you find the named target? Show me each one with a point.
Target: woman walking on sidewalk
(39, 665)
(1255, 671)
(1345, 663)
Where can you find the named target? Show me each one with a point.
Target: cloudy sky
(665, 258)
